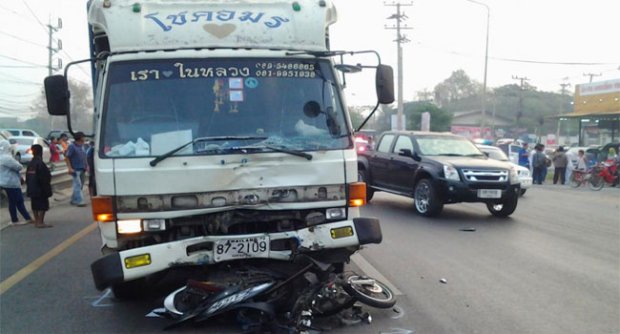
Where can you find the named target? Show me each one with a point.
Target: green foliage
(440, 118)
(457, 87)
(529, 108)
(81, 110)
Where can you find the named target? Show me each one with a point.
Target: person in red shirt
(54, 151)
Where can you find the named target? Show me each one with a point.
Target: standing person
(10, 181)
(39, 186)
(538, 164)
(63, 141)
(524, 159)
(560, 161)
(75, 158)
(582, 165)
(54, 152)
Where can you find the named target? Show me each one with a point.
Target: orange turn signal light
(103, 209)
(357, 194)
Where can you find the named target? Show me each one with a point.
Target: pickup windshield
(154, 107)
(447, 146)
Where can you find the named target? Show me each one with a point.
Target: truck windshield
(153, 107)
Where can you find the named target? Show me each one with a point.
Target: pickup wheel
(523, 192)
(425, 199)
(362, 176)
(505, 208)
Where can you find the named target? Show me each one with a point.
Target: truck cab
(222, 135)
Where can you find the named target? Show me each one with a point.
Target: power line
(24, 82)
(35, 16)
(21, 61)
(23, 40)
(542, 62)
(22, 66)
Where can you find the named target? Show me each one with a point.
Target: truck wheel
(129, 290)
(505, 208)
(523, 192)
(425, 199)
(362, 176)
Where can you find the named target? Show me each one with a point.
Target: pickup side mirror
(384, 82)
(57, 95)
(405, 152)
(486, 153)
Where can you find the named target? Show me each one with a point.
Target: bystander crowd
(38, 186)
(10, 181)
(560, 161)
(75, 158)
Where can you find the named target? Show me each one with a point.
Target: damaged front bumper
(140, 262)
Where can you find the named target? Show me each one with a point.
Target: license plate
(241, 248)
(489, 193)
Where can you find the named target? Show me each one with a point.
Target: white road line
(369, 270)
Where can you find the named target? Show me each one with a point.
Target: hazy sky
(547, 41)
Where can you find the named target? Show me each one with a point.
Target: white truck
(222, 136)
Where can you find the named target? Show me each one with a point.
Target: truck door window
(385, 144)
(155, 102)
(403, 142)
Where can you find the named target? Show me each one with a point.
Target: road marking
(99, 302)
(369, 270)
(38, 263)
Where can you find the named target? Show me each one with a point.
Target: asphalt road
(553, 267)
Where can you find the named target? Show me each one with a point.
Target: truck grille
(485, 175)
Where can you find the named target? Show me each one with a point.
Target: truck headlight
(129, 226)
(451, 173)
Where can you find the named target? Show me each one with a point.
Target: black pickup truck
(438, 168)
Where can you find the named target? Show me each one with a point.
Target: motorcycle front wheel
(369, 291)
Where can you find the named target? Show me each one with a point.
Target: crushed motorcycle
(277, 296)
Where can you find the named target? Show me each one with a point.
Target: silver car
(497, 153)
(24, 153)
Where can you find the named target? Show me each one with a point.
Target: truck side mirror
(57, 95)
(384, 82)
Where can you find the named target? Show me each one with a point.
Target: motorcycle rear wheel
(376, 295)
(596, 182)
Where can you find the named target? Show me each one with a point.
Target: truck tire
(523, 192)
(362, 176)
(425, 199)
(129, 290)
(506, 208)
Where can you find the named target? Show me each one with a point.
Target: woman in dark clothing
(39, 187)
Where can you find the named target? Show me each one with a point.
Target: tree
(457, 87)
(440, 118)
(81, 104)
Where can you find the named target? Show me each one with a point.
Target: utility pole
(592, 75)
(51, 48)
(52, 51)
(400, 38)
(564, 86)
(486, 61)
(523, 80)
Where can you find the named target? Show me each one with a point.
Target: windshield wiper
(157, 160)
(244, 149)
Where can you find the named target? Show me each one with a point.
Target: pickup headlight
(451, 173)
(514, 175)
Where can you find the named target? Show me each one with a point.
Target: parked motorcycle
(278, 297)
(604, 173)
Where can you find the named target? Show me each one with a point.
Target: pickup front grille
(485, 175)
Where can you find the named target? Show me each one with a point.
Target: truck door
(379, 162)
(402, 167)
